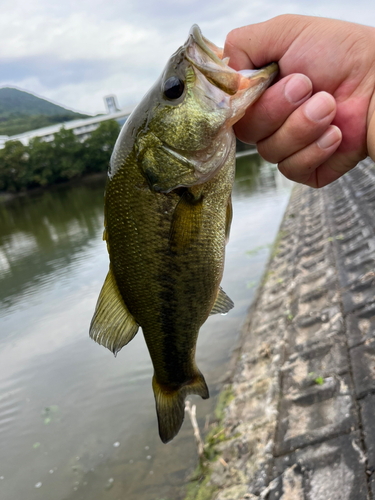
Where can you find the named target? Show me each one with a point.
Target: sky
(74, 52)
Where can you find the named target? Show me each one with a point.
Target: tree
(14, 161)
(42, 162)
(68, 155)
(99, 146)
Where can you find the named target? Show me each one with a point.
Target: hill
(21, 111)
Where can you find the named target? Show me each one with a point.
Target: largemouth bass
(168, 213)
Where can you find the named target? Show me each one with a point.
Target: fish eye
(173, 88)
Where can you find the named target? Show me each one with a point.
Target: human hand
(318, 121)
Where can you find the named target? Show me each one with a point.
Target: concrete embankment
(300, 424)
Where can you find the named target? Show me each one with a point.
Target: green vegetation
(199, 487)
(339, 237)
(319, 380)
(256, 250)
(21, 111)
(225, 397)
(44, 163)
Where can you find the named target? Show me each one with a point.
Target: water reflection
(40, 235)
(65, 401)
(254, 174)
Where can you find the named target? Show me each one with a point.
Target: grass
(198, 487)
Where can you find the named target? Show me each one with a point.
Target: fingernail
(329, 138)
(297, 88)
(319, 106)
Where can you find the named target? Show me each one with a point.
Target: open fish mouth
(234, 90)
(223, 95)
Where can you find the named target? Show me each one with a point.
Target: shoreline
(5, 196)
(298, 411)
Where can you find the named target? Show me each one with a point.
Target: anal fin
(112, 324)
(223, 303)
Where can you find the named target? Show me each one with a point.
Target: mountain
(21, 111)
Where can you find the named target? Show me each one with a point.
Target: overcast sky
(76, 51)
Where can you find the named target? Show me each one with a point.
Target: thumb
(259, 44)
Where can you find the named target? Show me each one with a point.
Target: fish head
(184, 131)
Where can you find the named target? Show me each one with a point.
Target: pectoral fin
(186, 223)
(223, 303)
(112, 324)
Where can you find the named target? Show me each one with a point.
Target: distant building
(81, 128)
(111, 104)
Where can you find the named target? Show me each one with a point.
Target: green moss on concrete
(199, 487)
(225, 397)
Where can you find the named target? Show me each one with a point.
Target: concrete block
(319, 360)
(368, 428)
(363, 363)
(314, 414)
(333, 470)
(359, 293)
(360, 327)
(316, 326)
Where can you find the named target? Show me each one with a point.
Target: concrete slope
(301, 423)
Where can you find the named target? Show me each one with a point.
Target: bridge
(82, 128)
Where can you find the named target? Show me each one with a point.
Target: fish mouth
(225, 88)
(208, 58)
(243, 87)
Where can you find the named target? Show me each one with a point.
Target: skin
(317, 122)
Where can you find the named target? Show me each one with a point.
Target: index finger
(259, 44)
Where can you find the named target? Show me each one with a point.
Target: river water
(75, 422)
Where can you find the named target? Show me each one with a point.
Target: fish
(168, 213)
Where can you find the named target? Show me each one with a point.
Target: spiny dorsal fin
(112, 324)
(223, 303)
(228, 219)
(186, 222)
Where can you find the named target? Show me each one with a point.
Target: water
(75, 422)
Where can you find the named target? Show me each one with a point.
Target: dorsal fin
(223, 303)
(112, 324)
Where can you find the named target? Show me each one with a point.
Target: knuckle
(287, 171)
(267, 152)
(233, 36)
(267, 111)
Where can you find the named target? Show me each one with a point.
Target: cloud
(77, 52)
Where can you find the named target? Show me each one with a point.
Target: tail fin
(170, 405)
